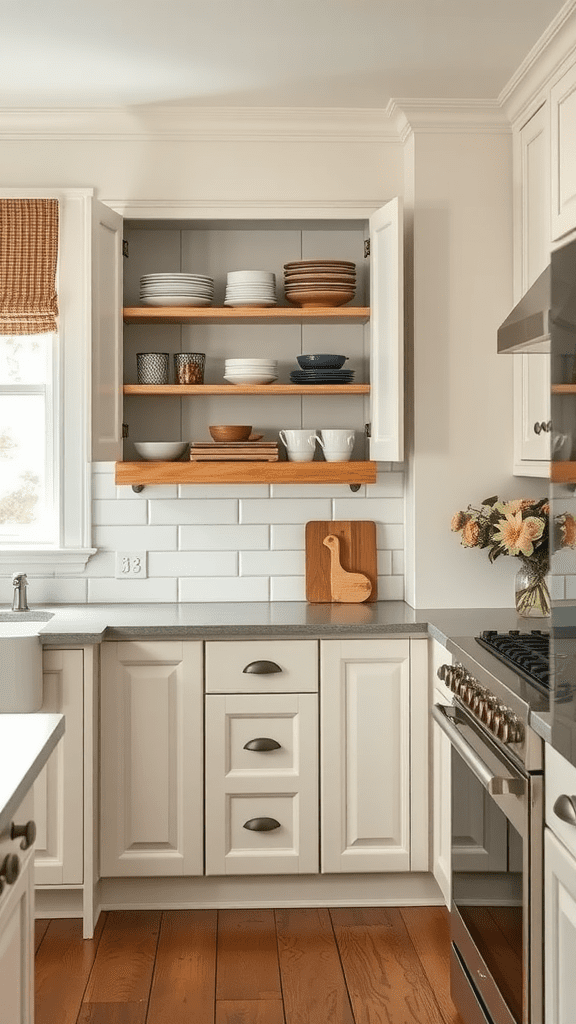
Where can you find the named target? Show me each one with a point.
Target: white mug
(336, 444)
(300, 444)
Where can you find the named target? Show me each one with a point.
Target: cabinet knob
(262, 668)
(565, 808)
(262, 743)
(10, 868)
(543, 427)
(27, 831)
(261, 824)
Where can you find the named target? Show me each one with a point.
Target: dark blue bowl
(321, 362)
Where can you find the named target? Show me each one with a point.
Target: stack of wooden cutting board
(234, 451)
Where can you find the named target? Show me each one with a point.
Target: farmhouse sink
(20, 666)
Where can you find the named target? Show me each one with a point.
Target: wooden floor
(344, 966)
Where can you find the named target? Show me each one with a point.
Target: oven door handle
(494, 784)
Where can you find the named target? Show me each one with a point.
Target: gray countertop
(93, 623)
(26, 742)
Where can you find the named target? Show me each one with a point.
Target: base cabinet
(152, 820)
(262, 783)
(374, 769)
(17, 948)
(560, 930)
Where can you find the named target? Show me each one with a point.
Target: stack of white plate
(250, 288)
(176, 290)
(250, 371)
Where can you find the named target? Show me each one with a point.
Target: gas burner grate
(527, 654)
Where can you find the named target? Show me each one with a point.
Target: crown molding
(442, 115)
(544, 62)
(234, 209)
(213, 124)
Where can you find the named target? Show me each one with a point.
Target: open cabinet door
(387, 333)
(107, 334)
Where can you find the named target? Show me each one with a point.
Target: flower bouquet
(520, 528)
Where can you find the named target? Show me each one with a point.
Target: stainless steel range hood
(527, 327)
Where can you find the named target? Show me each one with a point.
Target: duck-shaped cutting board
(341, 561)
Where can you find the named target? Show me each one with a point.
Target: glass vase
(532, 595)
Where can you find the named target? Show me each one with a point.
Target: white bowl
(250, 378)
(161, 451)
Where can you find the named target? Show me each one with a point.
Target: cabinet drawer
(262, 666)
(560, 781)
(278, 785)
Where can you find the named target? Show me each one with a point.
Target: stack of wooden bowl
(319, 282)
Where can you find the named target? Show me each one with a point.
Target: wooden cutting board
(357, 554)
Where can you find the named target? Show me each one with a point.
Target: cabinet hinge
(125, 248)
(368, 429)
(124, 430)
(366, 248)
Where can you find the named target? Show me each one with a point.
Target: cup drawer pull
(262, 743)
(262, 668)
(27, 832)
(261, 824)
(565, 808)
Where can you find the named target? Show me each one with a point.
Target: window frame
(72, 398)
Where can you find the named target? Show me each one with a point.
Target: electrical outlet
(131, 565)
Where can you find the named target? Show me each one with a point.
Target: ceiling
(303, 53)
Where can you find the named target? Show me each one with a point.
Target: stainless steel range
(497, 795)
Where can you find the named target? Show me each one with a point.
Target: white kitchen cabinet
(151, 759)
(563, 153)
(17, 933)
(373, 338)
(441, 776)
(262, 666)
(532, 371)
(559, 890)
(59, 788)
(261, 783)
(374, 755)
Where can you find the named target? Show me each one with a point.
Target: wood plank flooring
(306, 966)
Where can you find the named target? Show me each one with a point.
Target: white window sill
(50, 562)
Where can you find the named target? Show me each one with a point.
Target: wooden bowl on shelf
(230, 433)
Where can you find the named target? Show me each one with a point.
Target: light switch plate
(131, 565)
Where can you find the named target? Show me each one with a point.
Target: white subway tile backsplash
(287, 537)
(135, 538)
(214, 538)
(383, 510)
(285, 510)
(314, 491)
(570, 588)
(389, 535)
(107, 591)
(103, 563)
(397, 563)
(56, 590)
(223, 491)
(151, 492)
(272, 563)
(103, 486)
(119, 513)
(192, 563)
(558, 587)
(288, 588)
(384, 562)
(231, 588)
(184, 510)
(388, 485)
(390, 588)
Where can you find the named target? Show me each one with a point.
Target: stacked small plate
(176, 290)
(320, 282)
(320, 376)
(250, 371)
(250, 288)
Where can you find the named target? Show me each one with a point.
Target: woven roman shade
(28, 261)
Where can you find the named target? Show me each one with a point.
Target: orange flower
(516, 534)
(569, 531)
(459, 520)
(470, 534)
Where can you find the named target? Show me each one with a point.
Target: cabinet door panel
(293, 664)
(242, 784)
(563, 134)
(387, 333)
(59, 789)
(107, 334)
(365, 742)
(152, 799)
(17, 950)
(560, 931)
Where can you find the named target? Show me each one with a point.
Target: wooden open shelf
(246, 389)
(563, 472)
(246, 315)
(564, 389)
(353, 472)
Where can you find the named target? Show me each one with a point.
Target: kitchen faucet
(20, 583)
